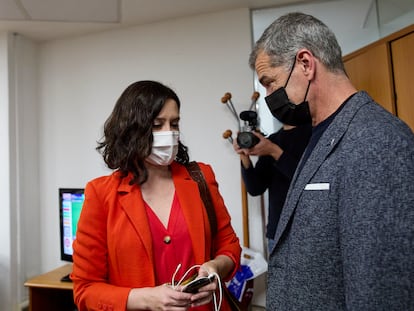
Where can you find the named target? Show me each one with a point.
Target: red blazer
(113, 247)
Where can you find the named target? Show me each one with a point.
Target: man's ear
(307, 63)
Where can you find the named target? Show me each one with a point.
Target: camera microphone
(246, 139)
(250, 116)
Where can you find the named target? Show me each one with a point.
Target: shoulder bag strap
(198, 176)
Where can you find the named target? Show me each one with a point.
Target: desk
(48, 293)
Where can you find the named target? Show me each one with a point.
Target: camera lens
(247, 140)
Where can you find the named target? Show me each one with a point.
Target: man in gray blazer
(345, 239)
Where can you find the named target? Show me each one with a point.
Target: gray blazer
(345, 239)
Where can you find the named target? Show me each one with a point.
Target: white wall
(26, 193)
(5, 251)
(19, 221)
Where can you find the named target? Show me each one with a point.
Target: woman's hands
(164, 297)
(160, 298)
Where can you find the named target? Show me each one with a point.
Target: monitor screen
(70, 206)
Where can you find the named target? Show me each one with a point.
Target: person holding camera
(279, 155)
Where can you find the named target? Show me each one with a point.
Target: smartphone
(196, 284)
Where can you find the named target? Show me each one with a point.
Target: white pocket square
(317, 186)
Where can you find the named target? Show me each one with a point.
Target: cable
(175, 285)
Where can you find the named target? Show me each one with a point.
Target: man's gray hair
(294, 31)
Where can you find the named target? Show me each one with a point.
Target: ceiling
(43, 20)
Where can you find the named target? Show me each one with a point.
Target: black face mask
(284, 110)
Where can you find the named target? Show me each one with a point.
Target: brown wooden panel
(48, 293)
(370, 70)
(51, 299)
(403, 64)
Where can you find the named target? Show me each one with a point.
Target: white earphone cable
(174, 285)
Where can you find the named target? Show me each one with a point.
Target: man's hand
(263, 148)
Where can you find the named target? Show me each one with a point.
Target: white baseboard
(23, 306)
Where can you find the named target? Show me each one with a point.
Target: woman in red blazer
(142, 227)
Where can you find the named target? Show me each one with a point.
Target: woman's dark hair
(128, 139)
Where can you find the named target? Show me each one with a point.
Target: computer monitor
(70, 206)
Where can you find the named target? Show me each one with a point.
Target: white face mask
(164, 147)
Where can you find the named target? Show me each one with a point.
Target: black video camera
(246, 138)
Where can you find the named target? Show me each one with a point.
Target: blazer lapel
(192, 208)
(133, 204)
(330, 138)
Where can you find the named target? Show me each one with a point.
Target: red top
(172, 246)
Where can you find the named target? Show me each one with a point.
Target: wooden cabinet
(402, 51)
(382, 69)
(48, 293)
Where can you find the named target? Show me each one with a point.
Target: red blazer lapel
(193, 210)
(133, 205)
